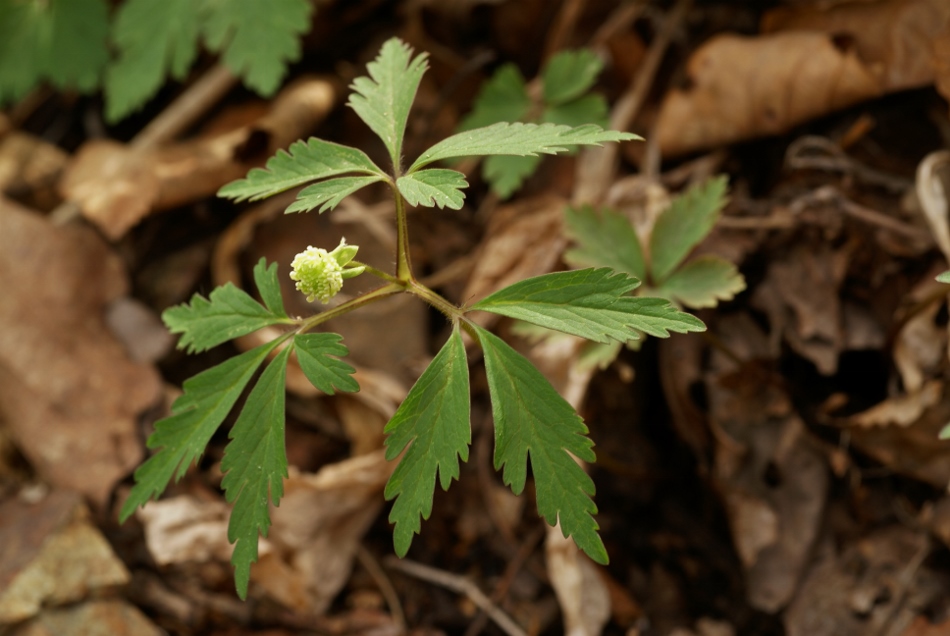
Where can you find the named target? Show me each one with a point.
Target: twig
(595, 170)
(378, 574)
(903, 584)
(508, 576)
(460, 585)
(563, 26)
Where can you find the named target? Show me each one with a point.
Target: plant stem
(403, 267)
(378, 273)
(350, 305)
(436, 300)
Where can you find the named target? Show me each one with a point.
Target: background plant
(559, 96)
(68, 43)
(431, 428)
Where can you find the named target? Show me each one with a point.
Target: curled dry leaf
(69, 394)
(116, 186)
(809, 62)
(744, 87)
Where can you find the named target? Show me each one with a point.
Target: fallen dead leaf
(116, 186)
(69, 394)
(901, 410)
(112, 617)
(186, 529)
(52, 555)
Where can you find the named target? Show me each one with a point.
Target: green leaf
(229, 313)
(154, 38)
(703, 282)
(507, 173)
(590, 303)
(383, 99)
(182, 437)
(434, 422)
(517, 139)
(307, 161)
(944, 277)
(604, 239)
(504, 97)
(569, 75)
(258, 38)
(330, 193)
(690, 217)
(315, 353)
(434, 187)
(589, 109)
(255, 465)
(532, 420)
(64, 41)
(269, 287)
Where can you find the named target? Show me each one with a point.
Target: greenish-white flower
(319, 274)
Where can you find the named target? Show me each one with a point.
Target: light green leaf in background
(255, 466)
(434, 423)
(257, 39)
(689, 219)
(590, 303)
(383, 99)
(703, 282)
(317, 354)
(944, 277)
(154, 38)
(306, 161)
(326, 195)
(604, 238)
(62, 41)
(570, 74)
(533, 421)
(506, 173)
(517, 139)
(589, 109)
(504, 97)
(434, 187)
(182, 437)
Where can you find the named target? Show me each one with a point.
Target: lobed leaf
(326, 195)
(533, 421)
(590, 303)
(383, 99)
(255, 465)
(589, 109)
(570, 74)
(154, 38)
(258, 39)
(434, 423)
(517, 139)
(604, 239)
(703, 282)
(690, 217)
(317, 353)
(229, 313)
(504, 97)
(183, 436)
(306, 161)
(433, 187)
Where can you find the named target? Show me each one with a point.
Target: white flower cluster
(320, 274)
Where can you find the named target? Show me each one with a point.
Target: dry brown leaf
(69, 394)
(875, 586)
(116, 186)
(523, 239)
(29, 164)
(744, 87)
(901, 410)
(893, 38)
(52, 555)
(317, 530)
(941, 57)
(186, 529)
(112, 617)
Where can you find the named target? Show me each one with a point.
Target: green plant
(606, 238)
(431, 428)
(67, 43)
(563, 99)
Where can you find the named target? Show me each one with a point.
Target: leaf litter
(780, 475)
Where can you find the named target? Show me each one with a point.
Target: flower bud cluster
(320, 274)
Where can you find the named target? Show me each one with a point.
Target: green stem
(403, 267)
(451, 311)
(350, 305)
(378, 273)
